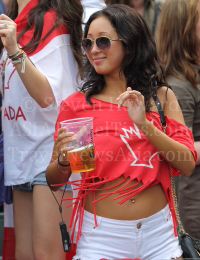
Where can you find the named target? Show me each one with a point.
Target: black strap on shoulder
(160, 110)
(156, 13)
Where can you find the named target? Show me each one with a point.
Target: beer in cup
(82, 157)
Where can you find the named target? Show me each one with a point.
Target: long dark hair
(177, 41)
(140, 66)
(124, 2)
(68, 11)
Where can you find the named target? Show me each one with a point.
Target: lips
(97, 60)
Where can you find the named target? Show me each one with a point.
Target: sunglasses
(103, 43)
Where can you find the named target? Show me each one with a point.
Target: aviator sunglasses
(103, 43)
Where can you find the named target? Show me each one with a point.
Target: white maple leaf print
(127, 135)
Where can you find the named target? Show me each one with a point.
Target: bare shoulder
(162, 93)
(170, 104)
(166, 96)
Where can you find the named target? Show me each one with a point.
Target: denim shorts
(149, 238)
(39, 179)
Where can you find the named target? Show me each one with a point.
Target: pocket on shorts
(87, 228)
(164, 219)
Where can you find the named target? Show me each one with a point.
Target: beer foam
(81, 148)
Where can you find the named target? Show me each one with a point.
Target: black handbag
(189, 245)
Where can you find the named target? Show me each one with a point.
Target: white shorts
(149, 238)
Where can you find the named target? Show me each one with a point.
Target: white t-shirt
(91, 6)
(28, 128)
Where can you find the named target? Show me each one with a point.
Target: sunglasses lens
(87, 44)
(103, 43)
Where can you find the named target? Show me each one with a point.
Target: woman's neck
(114, 86)
(22, 4)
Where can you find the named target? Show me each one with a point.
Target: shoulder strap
(160, 110)
(163, 122)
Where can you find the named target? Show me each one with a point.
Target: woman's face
(109, 62)
(137, 3)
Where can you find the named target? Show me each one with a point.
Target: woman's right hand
(63, 139)
(8, 34)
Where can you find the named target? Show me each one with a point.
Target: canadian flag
(8, 248)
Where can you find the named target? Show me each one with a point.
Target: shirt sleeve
(183, 135)
(57, 63)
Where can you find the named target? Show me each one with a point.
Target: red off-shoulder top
(121, 149)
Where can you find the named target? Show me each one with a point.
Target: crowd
(131, 65)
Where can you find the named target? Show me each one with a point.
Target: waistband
(127, 225)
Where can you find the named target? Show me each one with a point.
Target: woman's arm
(55, 173)
(182, 158)
(35, 82)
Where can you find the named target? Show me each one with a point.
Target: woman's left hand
(134, 101)
(8, 34)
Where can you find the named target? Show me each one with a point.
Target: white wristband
(21, 60)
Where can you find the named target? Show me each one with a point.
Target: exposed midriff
(147, 203)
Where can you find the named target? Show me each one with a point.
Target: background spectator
(149, 9)
(2, 11)
(91, 6)
(178, 47)
(50, 75)
(2, 7)
(7, 3)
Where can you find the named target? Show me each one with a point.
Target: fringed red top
(121, 149)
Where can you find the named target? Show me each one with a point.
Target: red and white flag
(8, 247)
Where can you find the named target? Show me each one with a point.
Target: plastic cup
(82, 157)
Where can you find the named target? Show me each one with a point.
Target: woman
(33, 89)
(178, 47)
(132, 151)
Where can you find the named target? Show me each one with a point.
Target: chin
(101, 71)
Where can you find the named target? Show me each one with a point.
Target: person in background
(149, 9)
(90, 7)
(39, 65)
(2, 11)
(124, 207)
(179, 49)
(7, 3)
(2, 7)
